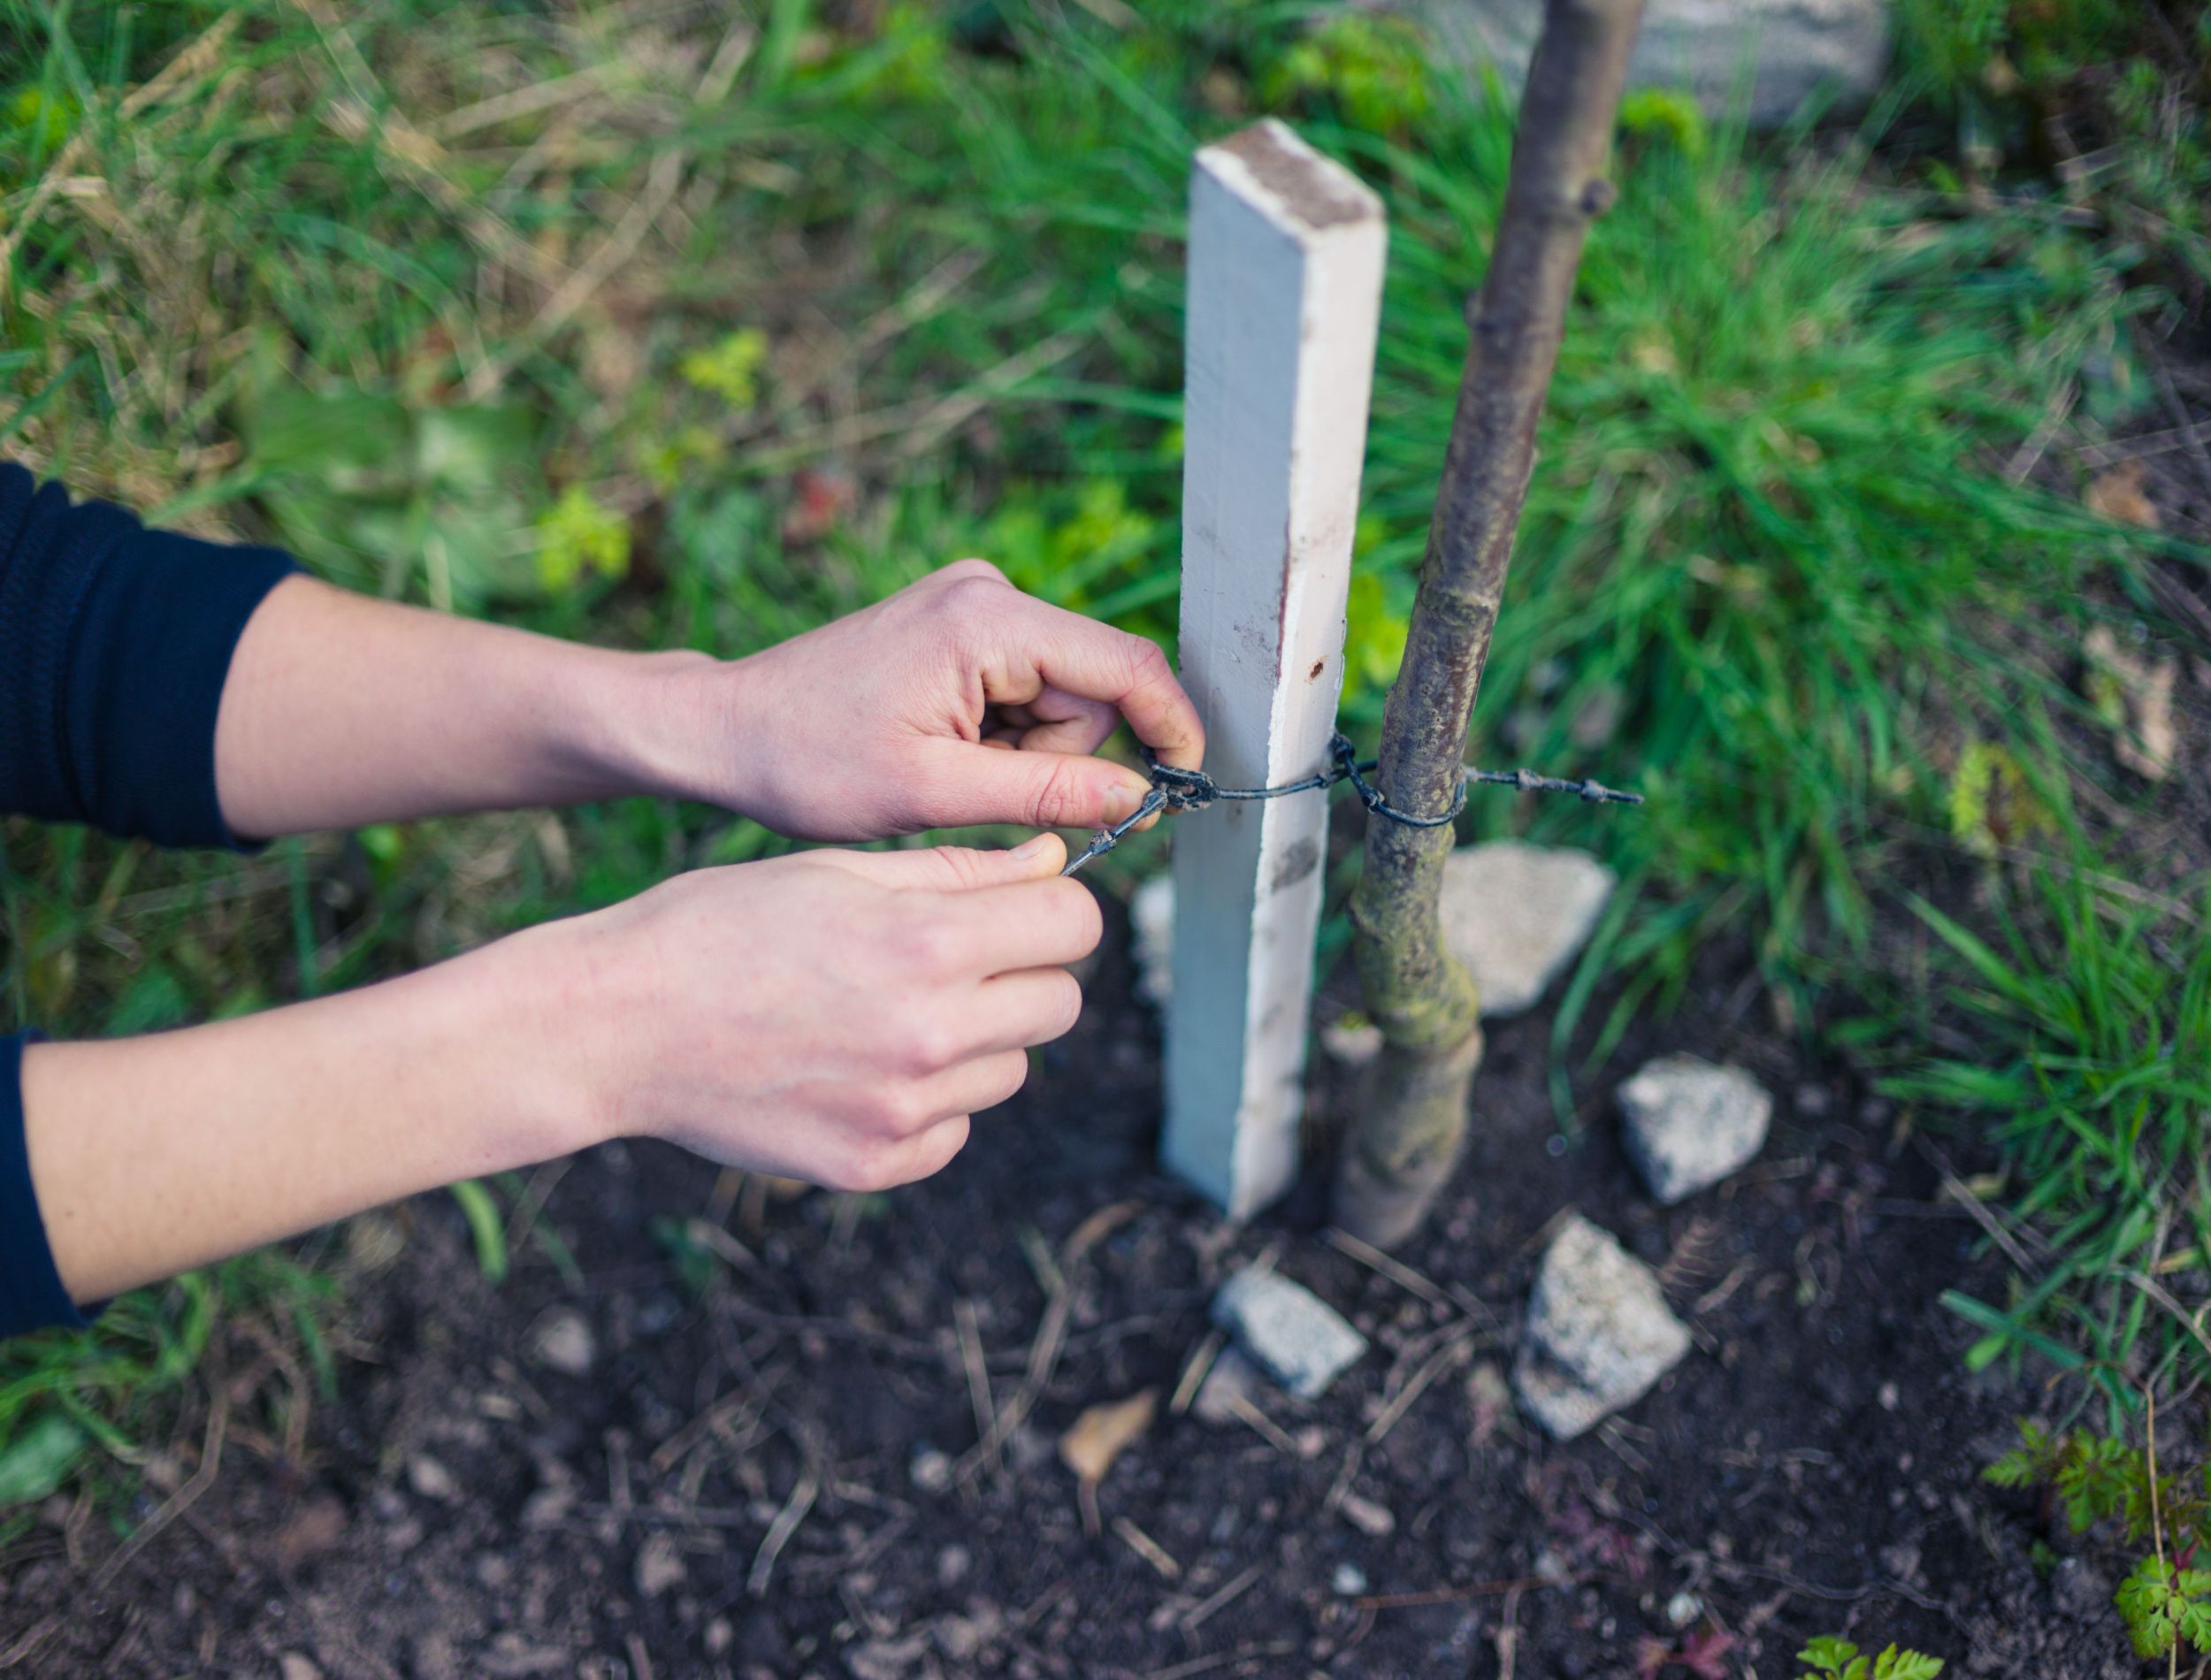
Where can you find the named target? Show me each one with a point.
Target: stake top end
(1269, 167)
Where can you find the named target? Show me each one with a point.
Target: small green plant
(577, 536)
(1828, 1658)
(1077, 551)
(1666, 113)
(1376, 70)
(731, 369)
(1992, 804)
(2164, 1600)
(488, 1228)
(1374, 637)
(2163, 1604)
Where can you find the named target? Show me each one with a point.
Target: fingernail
(1122, 803)
(1034, 848)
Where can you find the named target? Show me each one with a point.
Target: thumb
(1040, 789)
(963, 868)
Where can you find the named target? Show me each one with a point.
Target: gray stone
(1598, 1335)
(431, 1479)
(1287, 1331)
(561, 1341)
(1517, 915)
(1688, 1124)
(1795, 51)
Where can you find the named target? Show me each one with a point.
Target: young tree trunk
(1407, 1137)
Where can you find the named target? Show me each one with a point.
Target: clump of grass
(72, 1403)
(2074, 1029)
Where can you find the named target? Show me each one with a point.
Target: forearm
(340, 709)
(151, 1156)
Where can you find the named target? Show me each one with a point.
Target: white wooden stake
(1286, 253)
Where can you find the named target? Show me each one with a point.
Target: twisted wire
(1174, 789)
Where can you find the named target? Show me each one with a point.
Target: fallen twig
(783, 1528)
(1206, 1608)
(1147, 1548)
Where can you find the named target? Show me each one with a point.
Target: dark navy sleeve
(114, 644)
(31, 1295)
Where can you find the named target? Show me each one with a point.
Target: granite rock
(1598, 1332)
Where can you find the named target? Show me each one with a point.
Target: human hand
(957, 700)
(831, 1016)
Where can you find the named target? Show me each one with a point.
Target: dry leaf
(1102, 1433)
(2134, 695)
(2117, 496)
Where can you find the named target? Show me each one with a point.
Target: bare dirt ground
(778, 1473)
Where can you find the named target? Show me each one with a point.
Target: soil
(761, 1460)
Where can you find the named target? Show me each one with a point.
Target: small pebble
(430, 1478)
(561, 1341)
(1369, 1516)
(931, 1470)
(1349, 1580)
(659, 1566)
(1288, 1332)
(1352, 1043)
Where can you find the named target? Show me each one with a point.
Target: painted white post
(1286, 254)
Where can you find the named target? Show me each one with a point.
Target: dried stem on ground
(1410, 1130)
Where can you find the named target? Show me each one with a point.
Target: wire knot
(1181, 790)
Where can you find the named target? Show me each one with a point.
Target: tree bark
(1408, 1135)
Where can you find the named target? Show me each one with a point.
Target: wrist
(535, 1075)
(677, 726)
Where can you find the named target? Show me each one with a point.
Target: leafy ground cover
(662, 325)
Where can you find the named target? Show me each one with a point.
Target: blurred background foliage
(668, 325)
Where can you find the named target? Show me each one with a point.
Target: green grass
(322, 294)
(2077, 1029)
